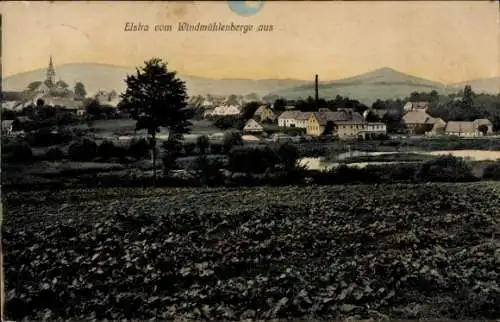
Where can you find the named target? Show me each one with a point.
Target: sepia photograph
(250, 160)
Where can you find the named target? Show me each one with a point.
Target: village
(266, 120)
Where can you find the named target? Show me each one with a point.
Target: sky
(444, 41)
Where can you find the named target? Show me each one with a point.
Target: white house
(252, 126)
(208, 112)
(64, 102)
(294, 119)
(224, 110)
(288, 119)
(207, 102)
(416, 106)
(375, 128)
(107, 98)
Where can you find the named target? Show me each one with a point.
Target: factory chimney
(316, 91)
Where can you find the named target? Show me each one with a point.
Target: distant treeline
(11, 96)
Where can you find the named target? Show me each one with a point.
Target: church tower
(51, 73)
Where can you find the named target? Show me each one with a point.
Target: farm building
(476, 128)
(438, 128)
(265, 113)
(418, 121)
(252, 126)
(317, 122)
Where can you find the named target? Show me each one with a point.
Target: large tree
(93, 111)
(80, 90)
(158, 98)
(468, 98)
(280, 105)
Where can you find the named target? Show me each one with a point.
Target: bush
(208, 171)
(226, 122)
(492, 171)
(18, 152)
(47, 137)
(54, 154)
(231, 139)
(446, 169)
(169, 163)
(173, 150)
(189, 148)
(107, 150)
(400, 173)
(294, 131)
(216, 148)
(288, 155)
(85, 150)
(139, 149)
(252, 160)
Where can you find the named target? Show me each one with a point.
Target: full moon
(246, 8)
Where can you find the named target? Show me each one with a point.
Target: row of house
(343, 123)
(349, 124)
(419, 122)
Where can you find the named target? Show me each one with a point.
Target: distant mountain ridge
(383, 83)
(97, 77)
(486, 85)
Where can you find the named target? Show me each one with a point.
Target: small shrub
(85, 150)
(492, 171)
(446, 169)
(54, 154)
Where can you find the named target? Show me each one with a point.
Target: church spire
(51, 73)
